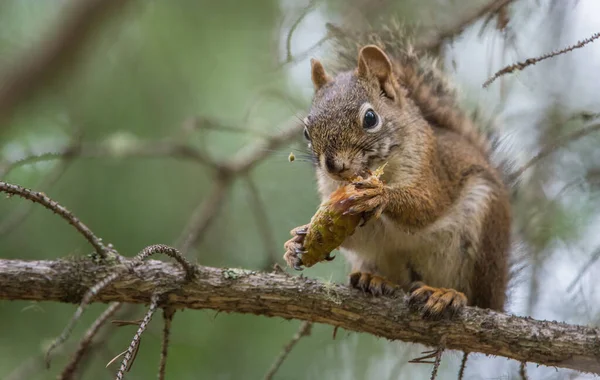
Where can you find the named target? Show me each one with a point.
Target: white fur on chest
(437, 253)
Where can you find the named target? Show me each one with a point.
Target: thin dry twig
(35, 364)
(259, 210)
(85, 343)
(437, 359)
(302, 56)
(20, 215)
(150, 149)
(523, 371)
(240, 164)
(85, 301)
(189, 268)
(433, 43)
(303, 331)
(135, 342)
(288, 42)
(206, 123)
(532, 61)
(595, 256)
(41, 198)
(168, 314)
(436, 365)
(550, 148)
(204, 214)
(16, 218)
(289, 57)
(53, 55)
(251, 155)
(463, 366)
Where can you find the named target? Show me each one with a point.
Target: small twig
(595, 256)
(427, 355)
(436, 354)
(523, 371)
(204, 214)
(301, 56)
(259, 210)
(303, 331)
(135, 342)
(436, 364)
(250, 156)
(126, 322)
(189, 268)
(288, 41)
(168, 314)
(150, 149)
(463, 366)
(95, 290)
(240, 164)
(41, 198)
(204, 123)
(85, 301)
(550, 148)
(16, 218)
(54, 55)
(532, 61)
(84, 345)
(490, 8)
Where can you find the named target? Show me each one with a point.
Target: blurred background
(218, 76)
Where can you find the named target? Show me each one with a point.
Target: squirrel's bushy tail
(427, 86)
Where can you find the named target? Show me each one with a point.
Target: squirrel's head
(355, 118)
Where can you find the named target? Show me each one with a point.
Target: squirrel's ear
(319, 76)
(372, 61)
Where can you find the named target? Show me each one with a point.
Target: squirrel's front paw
(375, 285)
(369, 200)
(294, 248)
(436, 303)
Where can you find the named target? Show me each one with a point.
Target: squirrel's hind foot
(436, 303)
(373, 284)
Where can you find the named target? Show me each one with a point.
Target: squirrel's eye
(370, 120)
(306, 135)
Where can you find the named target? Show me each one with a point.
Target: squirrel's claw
(365, 185)
(298, 267)
(294, 248)
(300, 231)
(370, 283)
(329, 257)
(292, 257)
(436, 303)
(368, 200)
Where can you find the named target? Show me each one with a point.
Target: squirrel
(444, 230)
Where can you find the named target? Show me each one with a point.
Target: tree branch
(279, 295)
(304, 330)
(41, 198)
(469, 18)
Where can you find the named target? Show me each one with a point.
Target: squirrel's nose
(334, 166)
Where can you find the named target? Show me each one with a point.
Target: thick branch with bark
(281, 295)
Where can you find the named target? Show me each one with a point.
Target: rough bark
(292, 297)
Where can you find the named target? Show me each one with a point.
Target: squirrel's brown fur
(444, 231)
(427, 86)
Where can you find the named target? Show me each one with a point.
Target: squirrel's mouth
(343, 176)
(348, 175)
